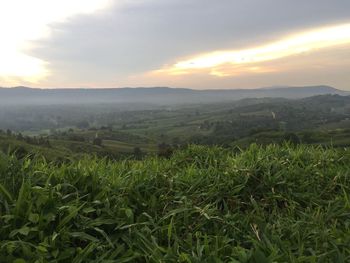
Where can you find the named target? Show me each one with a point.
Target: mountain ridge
(175, 88)
(153, 95)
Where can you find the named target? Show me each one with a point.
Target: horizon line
(167, 87)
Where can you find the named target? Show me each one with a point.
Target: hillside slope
(273, 204)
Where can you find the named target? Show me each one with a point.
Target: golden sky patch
(221, 63)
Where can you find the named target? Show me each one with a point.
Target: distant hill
(156, 95)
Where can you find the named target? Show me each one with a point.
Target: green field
(72, 130)
(204, 204)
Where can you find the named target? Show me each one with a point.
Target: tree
(20, 136)
(307, 137)
(165, 150)
(291, 137)
(97, 141)
(83, 125)
(176, 141)
(138, 153)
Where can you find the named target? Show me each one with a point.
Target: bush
(271, 204)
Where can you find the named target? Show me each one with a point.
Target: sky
(200, 44)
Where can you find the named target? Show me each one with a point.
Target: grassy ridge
(272, 204)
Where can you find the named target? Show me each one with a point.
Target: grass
(335, 138)
(62, 149)
(10, 144)
(119, 146)
(263, 204)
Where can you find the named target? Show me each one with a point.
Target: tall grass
(271, 204)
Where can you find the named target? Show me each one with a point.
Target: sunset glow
(197, 44)
(216, 62)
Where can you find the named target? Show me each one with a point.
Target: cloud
(326, 66)
(22, 21)
(232, 62)
(119, 45)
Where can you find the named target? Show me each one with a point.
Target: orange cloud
(236, 62)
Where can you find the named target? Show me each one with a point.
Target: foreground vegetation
(263, 204)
